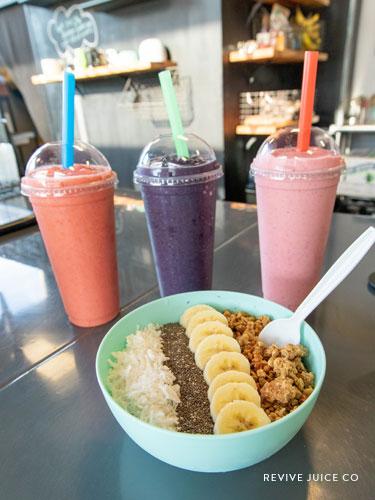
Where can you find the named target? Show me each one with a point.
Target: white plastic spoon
(288, 330)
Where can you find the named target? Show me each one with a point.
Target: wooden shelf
(105, 72)
(270, 55)
(306, 3)
(268, 129)
(263, 129)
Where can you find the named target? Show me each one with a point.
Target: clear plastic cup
(74, 209)
(295, 199)
(180, 200)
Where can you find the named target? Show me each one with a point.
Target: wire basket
(147, 100)
(269, 107)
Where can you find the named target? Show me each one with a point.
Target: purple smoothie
(180, 200)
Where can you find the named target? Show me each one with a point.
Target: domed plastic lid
(279, 158)
(46, 177)
(159, 164)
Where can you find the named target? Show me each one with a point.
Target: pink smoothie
(75, 213)
(295, 199)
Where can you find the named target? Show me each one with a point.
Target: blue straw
(68, 120)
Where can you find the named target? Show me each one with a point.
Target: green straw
(174, 116)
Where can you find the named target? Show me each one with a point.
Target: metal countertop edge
(66, 346)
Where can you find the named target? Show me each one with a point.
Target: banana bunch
(311, 38)
(234, 399)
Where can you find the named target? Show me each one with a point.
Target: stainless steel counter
(58, 439)
(33, 322)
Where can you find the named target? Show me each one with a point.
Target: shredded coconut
(140, 381)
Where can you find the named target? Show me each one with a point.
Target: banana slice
(208, 346)
(207, 329)
(239, 416)
(234, 391)
(224, 361)
(229, 376)
(189, 313)
(203, 317)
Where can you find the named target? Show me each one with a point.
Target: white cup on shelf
(51, 67)
(152, 50)
(127, 58)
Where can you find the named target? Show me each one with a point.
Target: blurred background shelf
(263, 129)
(105, 72)
(359, 129)
(269, 129)
(306, 3)
(272, 56)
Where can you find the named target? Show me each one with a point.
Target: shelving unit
(270, 55)
(105, 72)
(268, 70)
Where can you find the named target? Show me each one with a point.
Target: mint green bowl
(197, 452)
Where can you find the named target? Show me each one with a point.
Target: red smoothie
(75, 212)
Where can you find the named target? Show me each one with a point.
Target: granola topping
(281, 377)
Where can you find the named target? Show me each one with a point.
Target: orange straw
(310, 68)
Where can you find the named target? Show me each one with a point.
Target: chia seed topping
(194, 410)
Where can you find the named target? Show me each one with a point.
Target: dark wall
(242, 77)
(330, 73)
(252, 77)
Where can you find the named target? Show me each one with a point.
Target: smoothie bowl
(190, 403)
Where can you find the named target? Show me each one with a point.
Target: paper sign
(71, 29)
